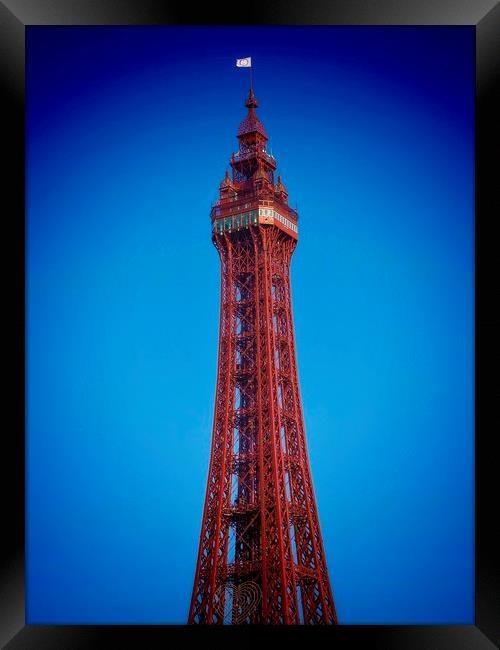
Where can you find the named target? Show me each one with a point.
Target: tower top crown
(251, 123)
(251, 196)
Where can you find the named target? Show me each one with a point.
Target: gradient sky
(129, 131)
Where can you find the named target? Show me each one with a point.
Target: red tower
(261, 557)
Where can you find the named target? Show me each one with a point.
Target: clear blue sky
(129, 131)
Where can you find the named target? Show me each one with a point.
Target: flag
(244, 63)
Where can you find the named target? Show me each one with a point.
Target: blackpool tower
(261, 558)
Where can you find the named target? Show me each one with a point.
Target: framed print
(332, 466)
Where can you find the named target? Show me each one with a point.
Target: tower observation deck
(261, 557)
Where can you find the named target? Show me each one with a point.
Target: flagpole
(251, 78)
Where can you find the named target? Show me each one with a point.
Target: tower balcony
(233, 206)
(240, 156)
(228, 217)
(240, 510)
(238, 569)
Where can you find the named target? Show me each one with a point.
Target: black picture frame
(484, 15)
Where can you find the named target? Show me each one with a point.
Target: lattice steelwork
(261, 557)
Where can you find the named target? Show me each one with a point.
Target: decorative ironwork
(236, 603)
(261, 557)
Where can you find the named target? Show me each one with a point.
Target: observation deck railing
(245, 155)
(229, 207)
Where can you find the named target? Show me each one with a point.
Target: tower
(261, 557)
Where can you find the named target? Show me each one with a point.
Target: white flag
(244, 63)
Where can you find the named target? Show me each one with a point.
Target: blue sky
(129, 132)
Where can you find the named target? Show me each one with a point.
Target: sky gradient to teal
(129, 131)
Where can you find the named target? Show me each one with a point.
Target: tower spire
(251, 123)
(251, 102)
